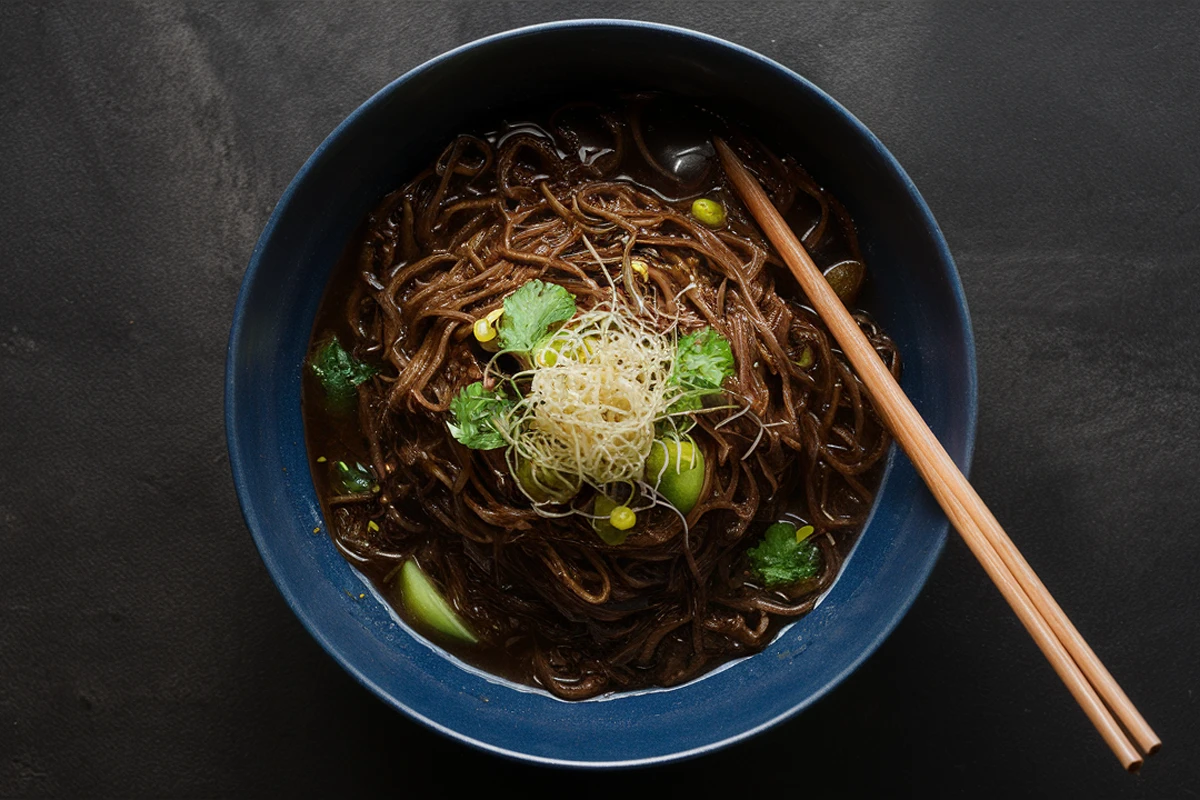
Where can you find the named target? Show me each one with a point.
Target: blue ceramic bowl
(913, 290)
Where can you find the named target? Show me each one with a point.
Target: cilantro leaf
(339, 372)
(688, 403)
(779, 559)
(703, 360)
(354, 479)
(530, 311)
(475, 410)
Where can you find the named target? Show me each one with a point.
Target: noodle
(795, 433)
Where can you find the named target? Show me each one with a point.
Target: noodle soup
(566, 409)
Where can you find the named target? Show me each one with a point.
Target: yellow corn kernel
(485, 328)
(483, 331)
(641, 268)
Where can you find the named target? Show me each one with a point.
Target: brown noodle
(584, 617)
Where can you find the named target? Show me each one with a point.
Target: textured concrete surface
(144, 651)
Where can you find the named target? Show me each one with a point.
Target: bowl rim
(239, 463)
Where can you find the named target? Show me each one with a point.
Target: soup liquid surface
(677, 134)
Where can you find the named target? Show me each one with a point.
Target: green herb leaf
(339, 372)
(689, 403)
(681, 411)
(530, 311)
(703, 360)
(475, 410)
(779, 559)
(354, 478)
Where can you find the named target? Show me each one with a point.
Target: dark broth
(678, 133)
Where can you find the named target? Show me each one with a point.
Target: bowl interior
(912, 288)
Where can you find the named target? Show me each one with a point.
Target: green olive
(845, 277)
(603, 508)
(708, 212)
(676, 469)
(545, 485)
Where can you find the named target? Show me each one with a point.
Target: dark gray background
(144, 650)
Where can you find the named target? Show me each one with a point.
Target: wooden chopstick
(1093, 687)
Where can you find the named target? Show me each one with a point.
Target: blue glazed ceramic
(913, 290)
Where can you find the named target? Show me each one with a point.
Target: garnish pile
(589, 395)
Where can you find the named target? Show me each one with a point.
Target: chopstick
(1093, 687)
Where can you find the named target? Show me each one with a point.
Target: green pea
(708, 212)
(622, 518)
(806, 357)
(676, 469)
(545, 485)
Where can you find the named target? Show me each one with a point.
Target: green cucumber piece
(426, 604)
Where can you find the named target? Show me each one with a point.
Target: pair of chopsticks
(1105, 704)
